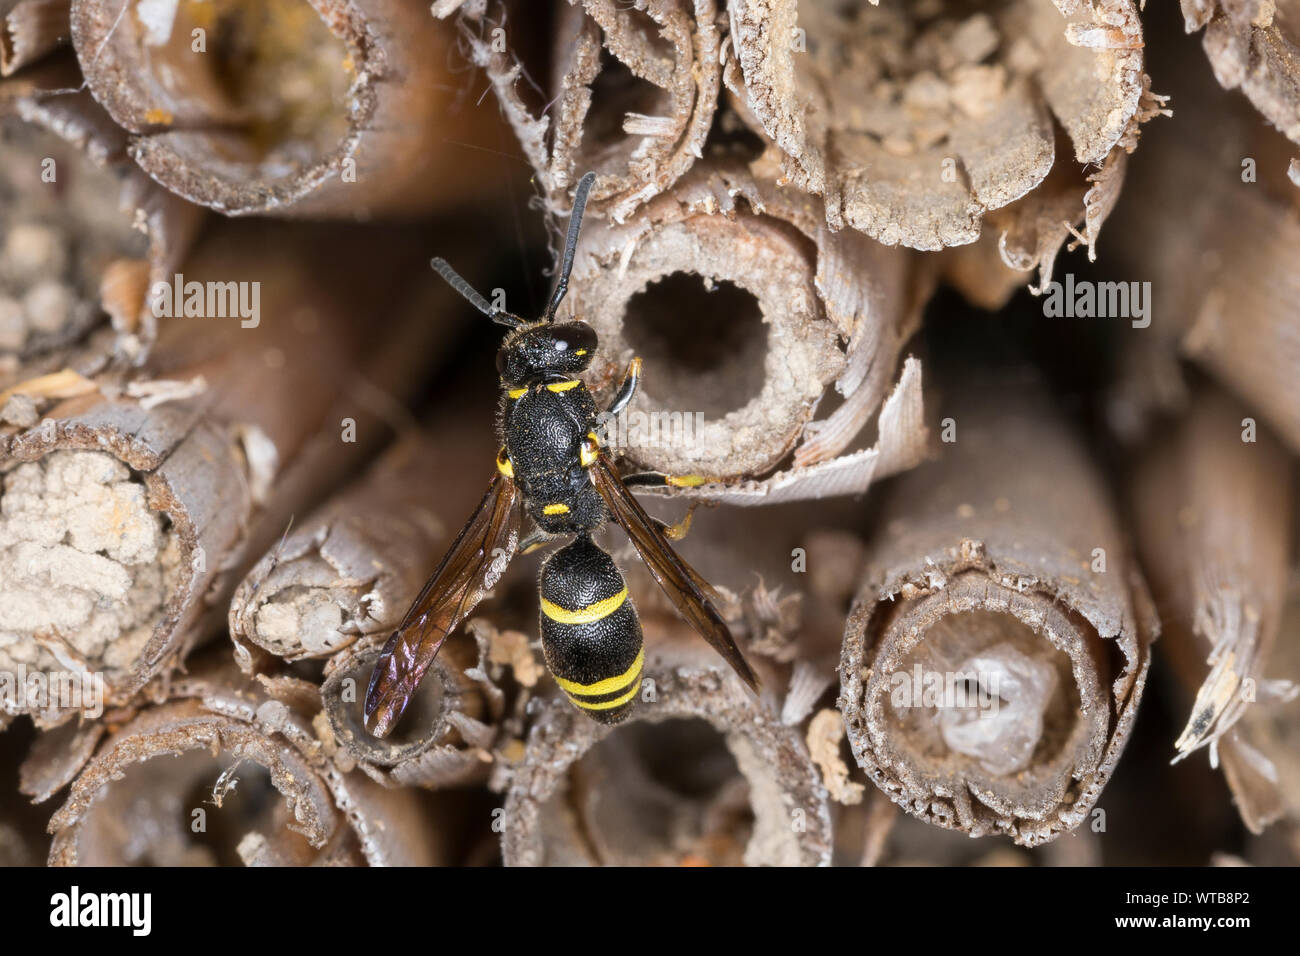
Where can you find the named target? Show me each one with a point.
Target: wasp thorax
(540, 350)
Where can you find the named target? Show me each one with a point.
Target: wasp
(553, 467)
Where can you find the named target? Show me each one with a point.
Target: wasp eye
(575, 337)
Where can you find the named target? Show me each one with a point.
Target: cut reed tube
(744, 309)
(701, 773)
(1268, 736)
(1214, 504)
(287, 107)
(916, 119)
(446, 736)
(997, 649)
(637, 89)
(351, 568)
(244, 780)
(342, 579)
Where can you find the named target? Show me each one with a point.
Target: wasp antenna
(508, 319)
(570, 244)
(453, 279)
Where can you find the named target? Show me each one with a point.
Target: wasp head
(537, 351)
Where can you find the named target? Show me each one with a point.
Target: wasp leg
(628, 388)
(676, 532)
(657, 479)
(504, 465)
(537, 538)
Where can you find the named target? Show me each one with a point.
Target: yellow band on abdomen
(606, 686)
(607, 704)
(585, 615)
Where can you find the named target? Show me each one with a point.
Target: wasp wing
(691, 594)
(476, 560)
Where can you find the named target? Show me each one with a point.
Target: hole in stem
(149, 818)
(982, 686)
(703, 351)
(344, 695)
(615, 92)
(661, 793)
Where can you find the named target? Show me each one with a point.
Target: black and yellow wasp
(551, 459)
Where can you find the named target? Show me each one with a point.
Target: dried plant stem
(668, 793)
(227, 741)
(803, 308)
(915, 120)
(446, 737)
(351, 568)
(342, 107)
(1266, 763)
(1214, 514)
(633, 94)
(341, 580)
(998, 647)
(653, 100)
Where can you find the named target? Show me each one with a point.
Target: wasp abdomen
(591, 636)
